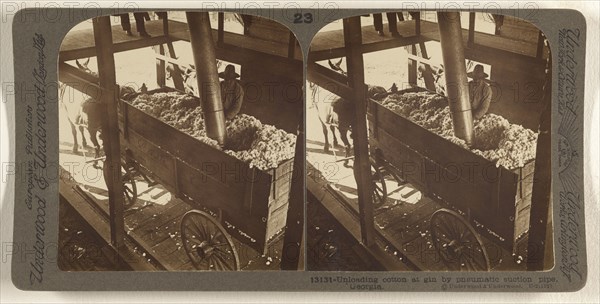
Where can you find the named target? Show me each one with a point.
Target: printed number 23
(303, 18)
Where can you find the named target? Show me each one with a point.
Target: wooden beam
(420, 57)
(471, 39)
(280, 66)
(110, 129)
(412, 65)
(161, 79)
(540, 46)
(362, 165)
(366, 48)
(165, 19)
(542, 186)
(322, 76)
(417, 23)
(294, 231)
(221, 28)
(329, 73)
(176, 75)
(291, 45)
(120, 47)
(79, 80)
(170, 59)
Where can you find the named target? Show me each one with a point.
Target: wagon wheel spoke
(195, 241)
(476, 263)
(218, 235)
(474, 253)
(466, 234)
(448, 228)
(440, 239)
(222, 261)
(440, 235)
(472, 263)
(199, 232)
(457, 242)
(217, 245)
(379, 186)
(129, 187)
(224, 257)
(206, 243)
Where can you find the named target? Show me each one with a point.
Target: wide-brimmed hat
(229, 72)
(477, 72)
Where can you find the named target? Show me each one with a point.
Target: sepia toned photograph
(428, 144)
(178, 136)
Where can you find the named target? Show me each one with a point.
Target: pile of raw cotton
(262, 146)
(496, 139)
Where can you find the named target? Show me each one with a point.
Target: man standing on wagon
(480, 93)
(232, 93)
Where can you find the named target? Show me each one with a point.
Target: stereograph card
(292, 149)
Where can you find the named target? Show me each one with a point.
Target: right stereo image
(428, 144)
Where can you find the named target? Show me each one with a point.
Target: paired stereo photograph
(214, 150)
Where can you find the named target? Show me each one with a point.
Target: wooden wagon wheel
(379, 187)
(458, 244)
(207, 243)
(129, 186)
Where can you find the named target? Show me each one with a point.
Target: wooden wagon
(480, 197)
(231, 198)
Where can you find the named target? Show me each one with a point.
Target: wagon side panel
(445, 170)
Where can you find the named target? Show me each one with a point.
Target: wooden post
(209, 88)
(412, 65)
(421, 51)
(362, 165)
(160, 66)
(292, 242)
(165, 20)
(540, 45)
(457, 87)
(110, 129)
(291, 45)
(542, 177)
(427, 73)
(176, 74)
(418, 23)
(471, 39)
(220, 28)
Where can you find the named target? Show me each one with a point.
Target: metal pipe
(203, 48)
(457, 87)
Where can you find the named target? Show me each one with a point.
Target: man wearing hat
(480, 93)
(232, 93)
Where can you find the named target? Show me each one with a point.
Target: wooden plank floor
(332, 42)
(153, 222)
(80, 43)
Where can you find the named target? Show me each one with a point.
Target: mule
(87, 114)
(339, 113)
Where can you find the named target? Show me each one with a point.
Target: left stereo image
(178, 138)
